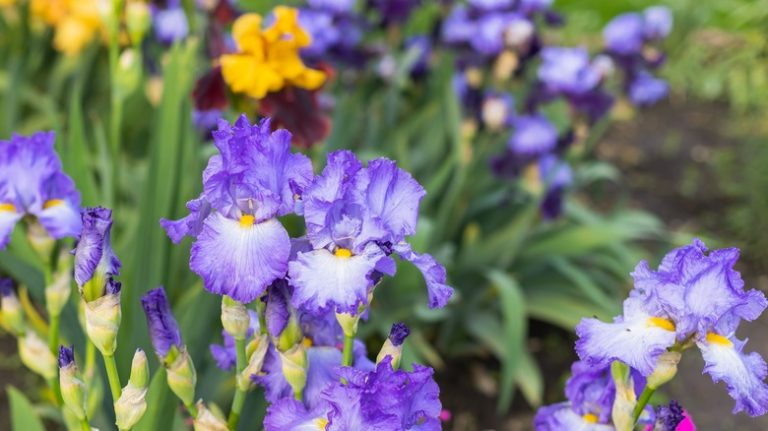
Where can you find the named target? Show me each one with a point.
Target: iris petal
(61, 220)
(8, 220)
(434, 274)
(240, 261)
(742, 373)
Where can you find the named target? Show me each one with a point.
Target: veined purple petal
(393, 196)
(163, 329)
(240, 260)
(61, 220)
(192, 224)
(636, 338)
(434, 274)
(94, 249)
(743, 373)
(322, 279)
(560, 417)
(289, 414)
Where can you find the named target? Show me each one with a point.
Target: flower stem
(192, 410)
(239, 400)
(642, 402)
(348, 344)
(53, 345)
(112, 376)
(84, 425)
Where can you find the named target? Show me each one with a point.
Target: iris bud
(132, 404)
(102, 318)
(393, 346)
(40, 241)
(348, 323)
(181, 376)
(137, 20)
(208, 420)
(624, 404)
(36, 355)
(57, 293)
(72, 387)
(666, 369)
(294, 367)
(291, 335)
(256, 351)
(234, 318)
(12, 313)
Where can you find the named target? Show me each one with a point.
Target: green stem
(116, 103)
(84, 425)
(53, 334)
(113, 377)
(641, 403)
(90, 358)
(239, 400)
(348, 344)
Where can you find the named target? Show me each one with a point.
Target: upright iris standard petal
(94, 255)
(393, 196)
(624, 34)
(239, 259)
(163, 329)
(32, 182)
(743, 373)
(434, 274)
(635, 338)
(326, 279)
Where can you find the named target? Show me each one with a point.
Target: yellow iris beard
(343, 252)
(589, 417)
(52, 203)
(662, 323)
(8, 207)
(713, 338)
(247, 220)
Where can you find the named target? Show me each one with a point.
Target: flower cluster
(310, 292)
(335, 30)
(693, 299)
(268, 59)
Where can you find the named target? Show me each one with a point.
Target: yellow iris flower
(268, 60)
(75, 22)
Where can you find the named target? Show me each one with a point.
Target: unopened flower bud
(128, 72)
(393, 346)
(57, 293)
(256, 351)
(36, 355)
(294, 366)
(624, 404)
(291, 335)
(666, 369)
(137, 20)
(12, 312)
(102, 319)
(95, 261)
(40, 241)
(234, 318)
(132, 404)
(208, 420)
(182, 377)
(72, 388)
(348, 323)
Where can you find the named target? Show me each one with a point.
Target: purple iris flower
(490, 5)
(170, 22)
(557, 176)
(32, 182)
(93, 254)
(240, 247)
(534, 135)
(324, 34)
(567, 71)
(658, 22)
(627, 33)
(645, 89)
(489, 31)
(356, 217)
(422, 45)
(458, 27)
(693, 297)
(590, 392)
(380, 399)
(336, 6)
(163, 329)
